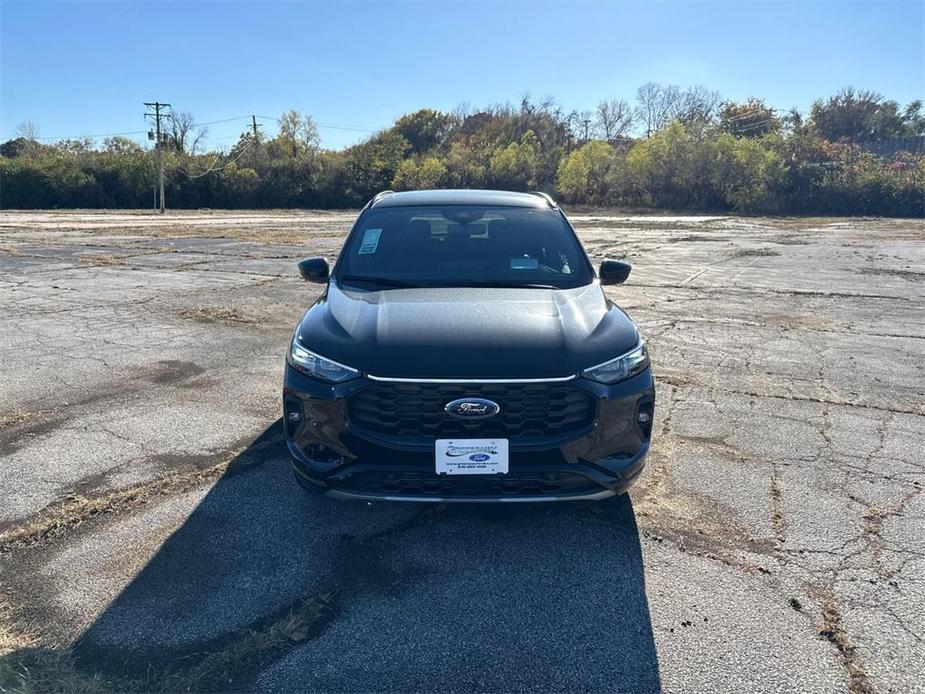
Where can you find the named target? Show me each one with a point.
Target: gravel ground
(149, 522)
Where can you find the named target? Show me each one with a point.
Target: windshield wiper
(381, 281)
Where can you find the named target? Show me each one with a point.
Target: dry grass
(34, 670)
(288, 231)
(100, 259)
(281, 235)
(215, 314)
(27, 668)
(10, 639)
(755, 252)
(15, 417)
(284, 234)
(27, 665)
(58, 518)
(833, 630)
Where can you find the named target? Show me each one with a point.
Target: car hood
(467, 333)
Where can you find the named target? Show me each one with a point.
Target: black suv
(464, 351)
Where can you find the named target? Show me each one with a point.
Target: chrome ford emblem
(472, 408)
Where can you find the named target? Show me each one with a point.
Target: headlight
(625, 366)
(316, 366)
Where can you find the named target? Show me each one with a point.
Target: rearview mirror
(614, 271)
(314, 270)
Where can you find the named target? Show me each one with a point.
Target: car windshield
(463, 246)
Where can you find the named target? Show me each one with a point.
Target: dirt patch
(697, 238)
(173, 371)
(791, 241)
(101, 260)
(755, 252)
(18, 434)
(910, 275)
(215, 314)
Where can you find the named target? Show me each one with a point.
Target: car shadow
(264, 587)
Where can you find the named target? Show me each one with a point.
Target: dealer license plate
(472, 456)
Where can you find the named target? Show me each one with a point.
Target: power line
(752, 112)
(74, 137)
(212, 167)
(347, 127)
(222, 120)
(227, 138)
(331, 126)
(134, 132)
(753, 126)
(209, 170)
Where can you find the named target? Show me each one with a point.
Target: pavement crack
(67, 514)
(778, 521)
(833, 630)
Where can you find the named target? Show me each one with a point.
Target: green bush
(742, 160)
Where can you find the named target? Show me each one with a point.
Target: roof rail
(546, 197)
(378, 196)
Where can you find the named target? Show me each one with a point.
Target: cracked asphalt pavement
(149, 522)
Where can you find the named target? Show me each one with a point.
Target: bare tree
(657, 105)
(184, 132)
(697, 106)
(585, 121)
(27, 130)
(462, 110)
(614, 119)
(298, 132)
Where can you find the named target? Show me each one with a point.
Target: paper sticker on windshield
(524, 263)
(370, 241)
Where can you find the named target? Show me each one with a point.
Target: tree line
(672, 148)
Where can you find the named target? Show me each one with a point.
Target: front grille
(540, 411)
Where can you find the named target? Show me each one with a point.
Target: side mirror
(314, 270)
(614, 271)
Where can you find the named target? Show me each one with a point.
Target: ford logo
(472, 408)
(479, 457)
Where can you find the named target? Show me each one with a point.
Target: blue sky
(78, 68)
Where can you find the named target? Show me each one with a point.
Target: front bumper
(332, 454)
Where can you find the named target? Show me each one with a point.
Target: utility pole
(587, 123)
(254, 125)
(158, 142)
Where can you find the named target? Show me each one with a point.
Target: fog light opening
(292, 415)
(644, 412)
